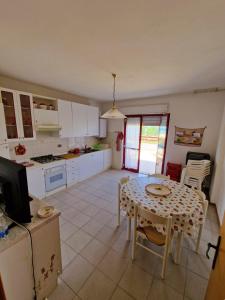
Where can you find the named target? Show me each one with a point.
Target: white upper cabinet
(65, 118)
(102, 128)
(93, 121)
(85, 120)
(80, 119)
(18, 115)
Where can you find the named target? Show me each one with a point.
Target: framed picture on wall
(188, 137)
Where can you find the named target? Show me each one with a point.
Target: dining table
(182, 203)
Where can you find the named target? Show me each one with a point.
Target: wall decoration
(188, 137)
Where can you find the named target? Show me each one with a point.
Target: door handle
(216, 247)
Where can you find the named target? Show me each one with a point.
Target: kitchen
(39, 132)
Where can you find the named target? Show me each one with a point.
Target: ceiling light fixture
(113, 113)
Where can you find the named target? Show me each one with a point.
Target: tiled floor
(96, 256)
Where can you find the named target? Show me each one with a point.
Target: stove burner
(46, 159)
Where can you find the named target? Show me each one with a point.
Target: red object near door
(174, 171)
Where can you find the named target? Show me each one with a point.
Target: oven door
(55, 177)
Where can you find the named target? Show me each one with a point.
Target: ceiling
(156, 47)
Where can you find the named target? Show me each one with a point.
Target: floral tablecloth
(183, 204)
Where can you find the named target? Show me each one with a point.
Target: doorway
(145, 138)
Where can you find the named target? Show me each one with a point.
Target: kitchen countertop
(55, 163)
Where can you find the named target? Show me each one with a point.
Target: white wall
(218, 185)
(186, 110)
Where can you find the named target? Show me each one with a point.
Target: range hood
(48, 127)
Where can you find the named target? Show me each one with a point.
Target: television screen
(16, 199)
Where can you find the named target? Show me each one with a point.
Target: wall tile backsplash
(49, 144)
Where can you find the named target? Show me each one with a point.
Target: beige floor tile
(67, 229)
(122, 246)
(199, 264)
(175, 276)
(70, 213)
(108, 235)
(147, 261)
(92, 227)
(62, 291)
(161, 291)
(195, 287)
(91, 210)
(80, 219)
(79, 240)
(113, 265)
(81, 205)
(67, 254)
(120, 294)
(94, 251)
(103, 217)
(97, 287)
(136, 282)
(76, 273)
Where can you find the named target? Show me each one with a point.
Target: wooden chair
(152, 235)
(159, 176)
(123, 181)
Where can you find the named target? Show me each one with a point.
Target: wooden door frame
(141, 116)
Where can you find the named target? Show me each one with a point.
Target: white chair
(123, 181)
(152, 235)
(195, 172)
(205, 208)
(159, 176)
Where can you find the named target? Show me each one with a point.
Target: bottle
(3, 226)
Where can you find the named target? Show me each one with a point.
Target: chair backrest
(198, 168)
(124, 180)
(159, 176)
(153, 218)
(201, 195)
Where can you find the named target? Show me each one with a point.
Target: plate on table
(46, 211)
(157, 189)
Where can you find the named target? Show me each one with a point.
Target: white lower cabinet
(36, 182)
(16, 262)
(87, 165)
(77, 170)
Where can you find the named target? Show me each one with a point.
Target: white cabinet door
(85, 168)
(3, 133)
(80, 119)
(11, 114)
(72, 171)
(65, 118)
(102, 128)
(36, 182)
(46, 117)
(4, 151)
(93, 121)
(18, 115)
(26, 115)
(107, 158)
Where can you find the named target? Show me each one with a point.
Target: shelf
(8, 106)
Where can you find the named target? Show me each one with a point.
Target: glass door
(132, 144)
(8, 100)
(26, 114)
(145, 143)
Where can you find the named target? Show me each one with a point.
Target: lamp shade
(113, 113)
